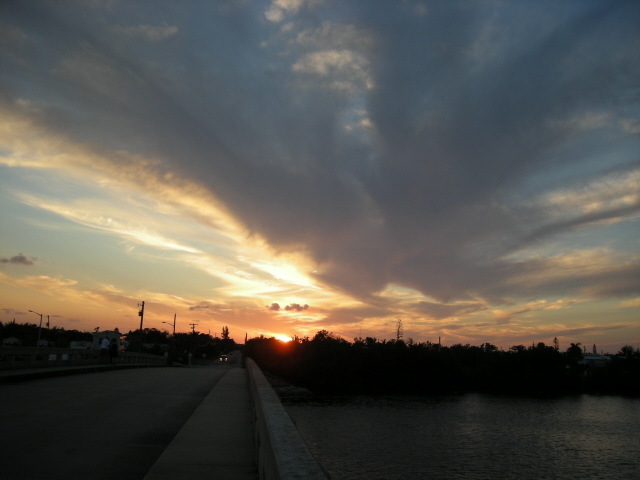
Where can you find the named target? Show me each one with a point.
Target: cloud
(199, 307)
(296, 307)
(633, 303)
(441, 311)
(112, 224)
(280, 9)
(591, 329)
(598, 273)
(346, 69)
(19, 259)
(356, 316)
(505, 317)
(42, 283)
(150, 32)
(214, 308)
(293, 307)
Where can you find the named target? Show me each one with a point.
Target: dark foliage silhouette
(329, 364)
(27, 333)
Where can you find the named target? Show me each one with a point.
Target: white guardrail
(41, 357)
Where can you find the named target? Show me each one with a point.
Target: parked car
(223, 358)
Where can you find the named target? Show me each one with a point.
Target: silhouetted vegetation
(179, 346)
(329, 364)
(201, 346)
(55, 336)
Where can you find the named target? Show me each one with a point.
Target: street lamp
(39, 328)
(172, 324)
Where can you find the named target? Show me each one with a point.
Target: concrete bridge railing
(281, 451)
(42, 357)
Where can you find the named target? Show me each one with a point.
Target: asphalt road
(107, 425)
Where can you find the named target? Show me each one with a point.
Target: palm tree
(574, 353)
(626, 351)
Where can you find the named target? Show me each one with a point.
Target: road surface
(107, 425)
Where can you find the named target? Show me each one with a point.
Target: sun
(283, 338)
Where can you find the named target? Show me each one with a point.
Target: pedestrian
(104, 348)
(113, 351)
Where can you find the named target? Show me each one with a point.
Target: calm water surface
(473, 437)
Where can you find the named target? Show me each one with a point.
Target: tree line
(147, 340)
(180, 345)
(28, 334)
(328, 364)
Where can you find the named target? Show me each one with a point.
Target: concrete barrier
(281, 451)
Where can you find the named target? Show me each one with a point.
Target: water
(473, 437)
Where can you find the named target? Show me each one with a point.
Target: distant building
(11, 342)
(594, 360)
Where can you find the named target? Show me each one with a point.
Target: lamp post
(39, 328)
(173, 337)
(172, 324)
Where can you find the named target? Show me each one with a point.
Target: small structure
(594, 360)
(110, 334)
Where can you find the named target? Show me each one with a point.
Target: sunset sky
(287, 166)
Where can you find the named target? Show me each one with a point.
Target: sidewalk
(217, 441)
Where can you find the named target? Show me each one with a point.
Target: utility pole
(193, 331)
(141, 314)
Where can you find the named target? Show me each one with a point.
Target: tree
(574, 353)
(626, 351)
(225, 333)
(28, 333)
(595, 350)
(488, 348)
(323, 335)
(556, 344)
(399, 330)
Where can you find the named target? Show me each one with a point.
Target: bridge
(142, 419)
